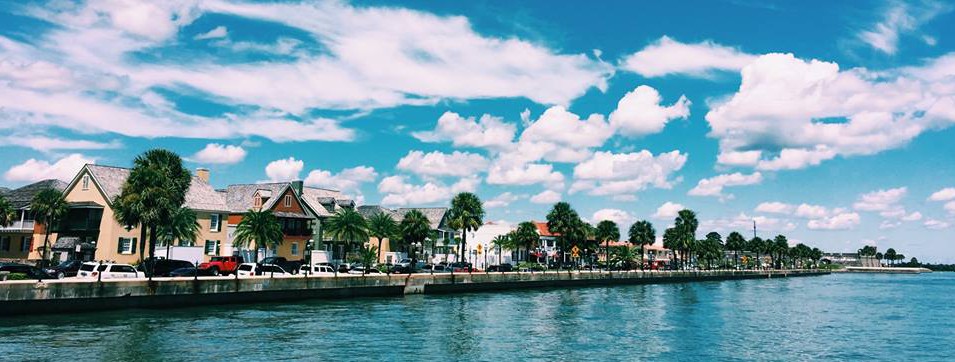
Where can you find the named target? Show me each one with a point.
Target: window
(212, 247)
(288, 200)
(215, 222)
(25, 243)
(86, 182)
(123, 269)
(187, 243)
(258, 201)
(5, 243)
(295, 248)
(126, 246)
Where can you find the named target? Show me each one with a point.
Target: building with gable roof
(21, 239)
(440, 248)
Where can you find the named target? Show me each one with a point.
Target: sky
(828, 122)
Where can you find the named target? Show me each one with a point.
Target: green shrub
(17, 276)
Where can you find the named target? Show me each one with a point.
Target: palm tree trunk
(142, 243)
(379, 250)
(642, 253)
(152, 251)
(46, 245)
(464, 242)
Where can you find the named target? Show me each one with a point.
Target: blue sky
(828, 122)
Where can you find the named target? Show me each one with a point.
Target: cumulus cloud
(945, 194)
(487, 132)
(501, 200)
(546, 197)
(219, 154)
(562, 136)
(33, 170)
(742, 223)
(935, 224)
(442, 164)
(839, 221)
(612, 174)
(347, 180)
(639, 112)
(399, 192)
(714, 186)
(775, 207)
(49, 144)
(525, 174)
(621, 217)
(284, 170)
(668, 56)
(880, 200)
(668, 210)
(791, 113)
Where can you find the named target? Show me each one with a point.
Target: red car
(221, 265)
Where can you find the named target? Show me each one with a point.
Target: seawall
(69, 296)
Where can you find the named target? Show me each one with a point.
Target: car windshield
(102, 267)
(87, 267)
(218, 258)
(66, 264)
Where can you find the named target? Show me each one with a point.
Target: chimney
(297, 186)
(203, 174)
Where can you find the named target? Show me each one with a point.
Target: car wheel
(215, 271)
(60, 275)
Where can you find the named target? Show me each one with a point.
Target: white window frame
(215, 222)
(215, 247)
(294, 248)
(86, 182)
(288, 200)
(127, 245)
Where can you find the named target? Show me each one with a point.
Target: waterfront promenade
(64, 296)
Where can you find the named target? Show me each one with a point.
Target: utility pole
(754, 229)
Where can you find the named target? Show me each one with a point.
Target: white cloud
(546, 197)
(442, 164)
(217, 32)
(621, 217)
(839, 221)
(399, 192)
(899, 19)
(775, 207)
(799, 113)
(347, 180)
(714, 186)
(502, 200)
(614, 174)
(936, 224)
(563, 136)
(668, 56)
(915, 216)
(668, 210)
(36, 170)
(744, 223)
(525, 174)
(889, 224)
(880, 200)
(220, 154)
(48, 144)
(950, 207)
(284, 170)
(815, 211)
(487, 132)
(639, 112)
(945, 194)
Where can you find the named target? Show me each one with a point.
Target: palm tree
(712, 247)
(184, 225)
(50, 207)
(642, 234)
(625, 257)
(755, 245)
(525, 236)
(381, 226)
(736, 242)
(128, 213)
(466, 214)
(260, 228)
(686, 224)
(671, 240)
(890, 255)
(607, 230)
(415, 228)
(815, 254)
(154, 191)
(780, 246)
(348, 227)
(565, 223)
(6, 212)
(368, 255)
(502, 242)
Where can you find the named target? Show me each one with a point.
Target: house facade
(22, 239)
(440, 247)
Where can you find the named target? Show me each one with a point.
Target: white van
(318, 270)
(253, 269)
(108, 271)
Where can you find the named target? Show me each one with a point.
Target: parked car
(435, 268)
(318, 270)
(66, 269)
(285, 264)
(92, 270)
(31, 272)
(190, 272)
(500, 268)
(361, 270)
(461, 267)
(224, 265)
(252, 269)
(163, 267)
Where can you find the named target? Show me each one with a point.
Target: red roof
(543, 230)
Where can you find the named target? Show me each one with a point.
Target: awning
(69, 243)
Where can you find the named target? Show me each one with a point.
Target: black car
(66, 269)
(290, 266)
(500, 268)
(190, 272)
(163, 267)
(31, 272)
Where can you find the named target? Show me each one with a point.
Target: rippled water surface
(836, 317)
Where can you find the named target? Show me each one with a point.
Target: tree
(671, 240)
(879, 256)
(184, 225)
(712, 248)
(259, 228)
(565, 223)
(7, 215)
(348, 227)
(50, 207)
(128, 212)
(502, 242)
(891, 255)
(415, 228)
(642, 234)
(607, 230)
(154, 191)
(525, 236)
(625, 257)
(381, 226)
(686, 225)
(755, 245)
(466, 214)
(736, 242)
(815, 254)
(780, 247)
(368, 255)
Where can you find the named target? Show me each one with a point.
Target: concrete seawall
(67, 296)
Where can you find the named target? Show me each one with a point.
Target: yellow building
(22, 239)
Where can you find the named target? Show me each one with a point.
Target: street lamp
(414, 256)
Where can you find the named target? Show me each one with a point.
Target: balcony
(26, 225)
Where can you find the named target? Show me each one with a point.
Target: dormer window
(288, 200)
(86, 182)
(257, 201)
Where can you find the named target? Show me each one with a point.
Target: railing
(19, 225)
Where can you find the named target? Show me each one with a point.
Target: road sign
(479, 247)
(575, 251)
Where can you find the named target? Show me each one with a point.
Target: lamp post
(414, 256)
(308, 256)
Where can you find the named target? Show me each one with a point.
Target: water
(836, 317)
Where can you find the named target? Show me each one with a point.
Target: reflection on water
(838, 317)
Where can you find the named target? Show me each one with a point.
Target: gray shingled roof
(21, 197)
(434, 214)
(323, 201)
(239, 198)
(200, 196)
(368, 210)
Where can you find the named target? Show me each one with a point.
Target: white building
(481, 249)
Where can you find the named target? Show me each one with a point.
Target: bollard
(99, 273)
(196, 274)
